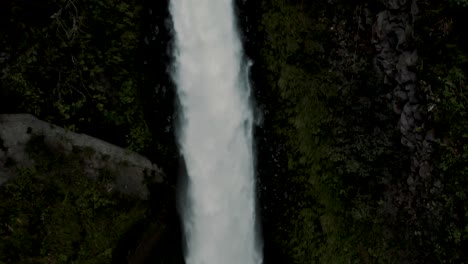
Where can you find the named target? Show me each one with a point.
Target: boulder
(128, 169)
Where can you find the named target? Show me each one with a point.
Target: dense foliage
(53, 213)
(77, 64)
(343, 147)
(81, 65)
(444, 69)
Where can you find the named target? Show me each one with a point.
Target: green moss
(54, 213)
(74, 64)
(444, 67)
(339, 132)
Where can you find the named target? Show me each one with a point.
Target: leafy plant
(54, 213)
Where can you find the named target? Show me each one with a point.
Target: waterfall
(215, 134)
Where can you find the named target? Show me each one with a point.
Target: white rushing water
(215, 134)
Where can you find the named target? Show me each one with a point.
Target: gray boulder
(128, 169)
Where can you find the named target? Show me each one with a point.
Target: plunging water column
(214, 134)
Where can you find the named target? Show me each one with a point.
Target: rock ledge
(128, 168)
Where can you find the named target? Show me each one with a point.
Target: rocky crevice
(397, 57)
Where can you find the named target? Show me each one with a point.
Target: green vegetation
(343, 148)
(74, 64)
(53, 213)
(444, 67)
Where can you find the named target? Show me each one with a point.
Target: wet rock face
(128, 169)
(397, 57)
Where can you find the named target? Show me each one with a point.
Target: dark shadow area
(157, 90)
(270, 154)
(157, 238)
